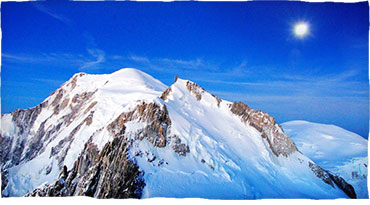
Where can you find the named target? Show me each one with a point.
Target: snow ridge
(179, 138)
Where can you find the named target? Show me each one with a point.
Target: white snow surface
(333, 148)
(114, 93)
(228, 159)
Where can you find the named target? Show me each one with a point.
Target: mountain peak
(137, 78)
(182, 87)
(128, 71)
(94, 121)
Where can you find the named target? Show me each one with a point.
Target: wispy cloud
(90, 60)
(138, 59)
(170, 63)
(99, 57)
(192, 67)
(195, 64)
(51, 12)
(333, 85)
(84, 62)
(52, 82)
(16, 58)
(334, 77)
(43, 58)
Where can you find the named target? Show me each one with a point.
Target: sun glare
(301, 29)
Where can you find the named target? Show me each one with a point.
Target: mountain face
(335, 149)
(127, 135)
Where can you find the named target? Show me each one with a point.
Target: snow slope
(333, 148)
(228, 159)
(113, 93)
(211, 149)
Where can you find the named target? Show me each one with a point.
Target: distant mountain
(335, 149)
(127, 135)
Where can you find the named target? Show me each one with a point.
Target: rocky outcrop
(73, 82)
(333, 179)
(36, 142)
(57, 98)
(195, 89)
(78, 102)
(111, 173)
(342, 184)
(168, 90)
(24, 121)
(279, 142)
(64, 103)
(198, 91)
(177, 146)
(4, 178)
(166, 93)
(157, 119)
(321, 173)
(62, 148)
(90, 107)
(5, 143)
(217, 99)
(108, 174)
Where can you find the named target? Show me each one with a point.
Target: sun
(301, 29)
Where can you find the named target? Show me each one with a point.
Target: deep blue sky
(239, 51)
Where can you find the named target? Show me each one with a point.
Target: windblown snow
(212, 153)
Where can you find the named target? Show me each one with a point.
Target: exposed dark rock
(240, 109)
(64, 103)
(36, 143)
(195, 89)
(90, 107)
(166, 93)
(177, 146)
(5, 143)
(279, 142)
(17, 151)
(24, 119)
(88, 120)
(87, 158)
(51, 130)
(63, 174)
(217, 99)
(109, 174)
(57, 98)
(156, 117)
(332, 179)
(64, 145)
(48, 169)
(73, 82)
(4, 178)
(321, 173)
(78, 101)
(342, 184)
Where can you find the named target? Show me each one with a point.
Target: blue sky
(238, 51)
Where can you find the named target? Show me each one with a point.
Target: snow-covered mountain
(128, 135)
(335, 149)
